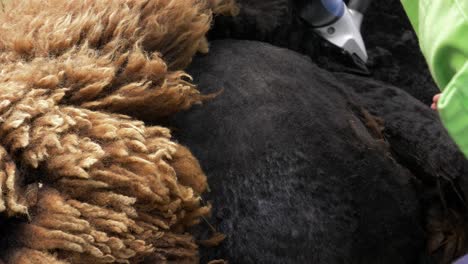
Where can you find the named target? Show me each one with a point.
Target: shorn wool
(82, 178)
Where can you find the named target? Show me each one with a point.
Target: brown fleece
(101, 186)
(190, 172)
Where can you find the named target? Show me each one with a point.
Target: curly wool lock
(96, 184)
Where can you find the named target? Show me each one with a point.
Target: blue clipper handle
(321, 13)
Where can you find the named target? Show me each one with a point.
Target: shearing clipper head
(337, 23)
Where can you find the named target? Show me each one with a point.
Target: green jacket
(442, 28)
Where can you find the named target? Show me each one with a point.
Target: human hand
(435, 100)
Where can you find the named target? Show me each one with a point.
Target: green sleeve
(442, 29)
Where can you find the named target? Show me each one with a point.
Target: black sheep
(299, 170)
